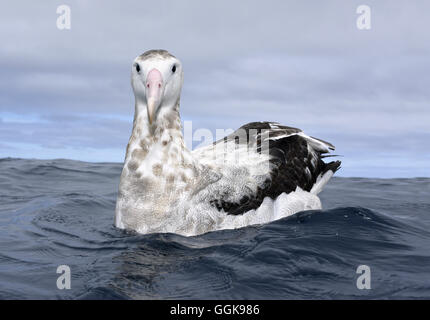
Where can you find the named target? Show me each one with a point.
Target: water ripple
(55, 212)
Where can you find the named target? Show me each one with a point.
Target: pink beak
(154, 85)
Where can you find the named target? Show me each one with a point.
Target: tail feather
(329, 170)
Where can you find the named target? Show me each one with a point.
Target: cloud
(305, 65)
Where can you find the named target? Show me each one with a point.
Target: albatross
(262, 172)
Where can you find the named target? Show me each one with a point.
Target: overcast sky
(67, 94)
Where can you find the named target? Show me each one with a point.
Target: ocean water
(60, 212)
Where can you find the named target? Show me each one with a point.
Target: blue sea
(60, 212)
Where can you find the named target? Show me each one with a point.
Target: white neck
(166, 118)
(157, 149)
(158, 167)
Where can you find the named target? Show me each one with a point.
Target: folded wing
(262, 159)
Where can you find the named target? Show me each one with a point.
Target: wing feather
(263, 159)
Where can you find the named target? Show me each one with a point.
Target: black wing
(296, 161)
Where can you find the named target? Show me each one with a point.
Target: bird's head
(156, 78)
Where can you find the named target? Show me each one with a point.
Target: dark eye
(174, 68)
(137, 67)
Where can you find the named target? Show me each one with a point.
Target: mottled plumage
(261, 172)
(295, 161)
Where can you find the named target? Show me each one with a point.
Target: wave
(55, 212)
